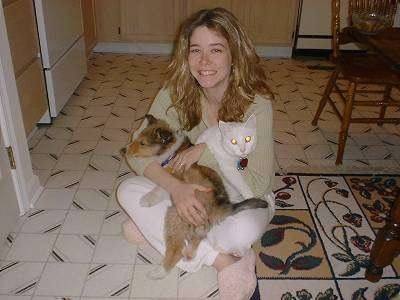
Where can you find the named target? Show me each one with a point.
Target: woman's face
(210, 59)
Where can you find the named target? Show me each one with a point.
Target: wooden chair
(386, 246)
(358, 68)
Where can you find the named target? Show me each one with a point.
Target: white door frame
(27, 185)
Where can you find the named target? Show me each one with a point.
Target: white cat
(231, 143)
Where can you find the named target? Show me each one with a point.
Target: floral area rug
(317, 245)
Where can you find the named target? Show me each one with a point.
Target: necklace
(242, 163)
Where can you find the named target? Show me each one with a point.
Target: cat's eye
(247, 139)
(142, 143)
(233, 141)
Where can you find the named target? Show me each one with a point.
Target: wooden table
(386, 43)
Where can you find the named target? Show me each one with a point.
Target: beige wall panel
(89, 25)
(32, 95)
(150, 20)
(107, 20)
(22, 34)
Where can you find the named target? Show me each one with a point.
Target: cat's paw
(157, 273)
(202, 230)
(188, 253)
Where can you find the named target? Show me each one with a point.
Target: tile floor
(70, 244)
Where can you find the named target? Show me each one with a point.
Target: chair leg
(325, 96)
(345, 122)
(386, 100)
(386, 246)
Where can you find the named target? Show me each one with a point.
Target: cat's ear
(251, 122)
(223, 127)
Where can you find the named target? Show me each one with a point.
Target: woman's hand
(186, 158)
(188, 207)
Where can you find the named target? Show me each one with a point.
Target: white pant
(234, 235)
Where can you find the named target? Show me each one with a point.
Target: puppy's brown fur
(182, 238)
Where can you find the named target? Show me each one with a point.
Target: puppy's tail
(250, 203)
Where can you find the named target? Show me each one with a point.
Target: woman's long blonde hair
(247, 77)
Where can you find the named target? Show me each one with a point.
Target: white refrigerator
(62, 47)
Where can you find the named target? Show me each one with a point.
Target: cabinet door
(150, 20)
(270, 22)
(236, 7)
(32, 95)
(89, 27)
(195, 5)
(22, 34)
(24, 46)
(108, 20)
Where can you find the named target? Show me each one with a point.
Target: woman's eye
(216, 50)
(194, 50)
(233, 141)
(247, 139)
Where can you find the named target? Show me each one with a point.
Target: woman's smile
(207, 72)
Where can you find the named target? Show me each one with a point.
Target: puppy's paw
(157, 273)
(188, 253)
(202, 230)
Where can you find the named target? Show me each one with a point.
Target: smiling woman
(214, 76)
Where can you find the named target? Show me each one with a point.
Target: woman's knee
(239, 232)
(132, 189)
(247, 232)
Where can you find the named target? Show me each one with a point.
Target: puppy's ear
(151, 119)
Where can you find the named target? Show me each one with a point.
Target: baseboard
(166, 49)
(145, 48)
(274, 51)
(323, 53)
